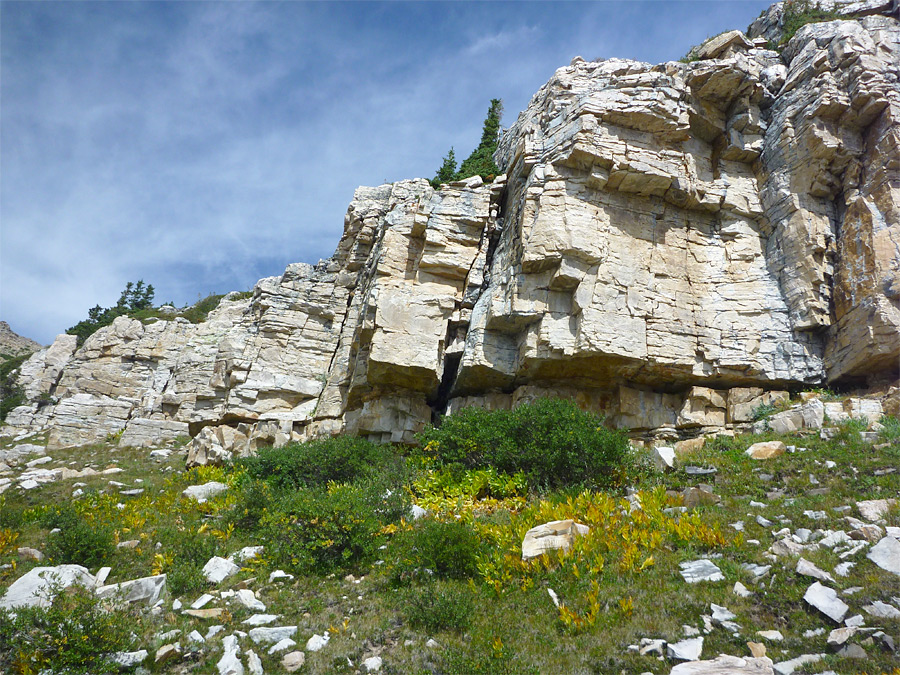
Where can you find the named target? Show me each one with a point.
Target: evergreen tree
(481, 161)
(134, 298)
(447, 172)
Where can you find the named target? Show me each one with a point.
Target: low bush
(320, 531)
(849, 430)
(341, 459)
(198, 312)
(11, 394)
(76, 634)
(12, 514)
(182, 557)
(253, 500)
(433, 548)
(798, 13)
(80, 540)
(552, 441)
(440, 606)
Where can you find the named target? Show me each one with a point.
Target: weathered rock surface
(13, 344)
(146, 590)
(725, 664)
(886, 554)
(35, 589)
(671, 245)
(826, 601)
(555, 535)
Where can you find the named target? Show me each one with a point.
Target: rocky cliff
(12, 344)
(669, 245)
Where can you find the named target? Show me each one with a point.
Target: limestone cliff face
(669, 243)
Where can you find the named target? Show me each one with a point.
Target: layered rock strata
(673, 246)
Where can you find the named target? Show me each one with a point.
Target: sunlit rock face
(670, 246)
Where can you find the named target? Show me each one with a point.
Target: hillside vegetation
(414, 556)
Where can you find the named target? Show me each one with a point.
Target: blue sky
(203, 145)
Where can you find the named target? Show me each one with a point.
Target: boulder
(36, 588)
(686, 650)
(203, 493)
(826, 601)
(271, 635)
(663, 458)
(146, 590)
(875, 509)
(726, 665)
(700, 570)
(555, 535)
(293, 661)
(317, 642)
(218, 569)
(766, 450)
(886, 554)
(126, 660)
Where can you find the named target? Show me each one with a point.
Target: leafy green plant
(315, 463)
(315, 530)
(849, 430)
(81, 540)
(254, 499)
(184, 553)
(890, 428)
(764, 410)
(552, 441)
(76, 634)
(437, 549)
(455, 481)
(437, 606)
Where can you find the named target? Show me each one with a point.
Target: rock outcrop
(672, 245)
(13, 344)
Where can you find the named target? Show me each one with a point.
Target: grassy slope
(518, 629)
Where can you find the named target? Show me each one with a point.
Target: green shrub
(890, 428)
(187, 552)
(551, 441)
(76, 634)
(198, 312)
(253, 501)
(11, 394)
(454, 482)
(849, 430)
(316, 530)
(11, 515)
(764, 410)
(444, 550)
(798, 13)
(134, 299)
(81, 540)
(340, 459)
(439, 606)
